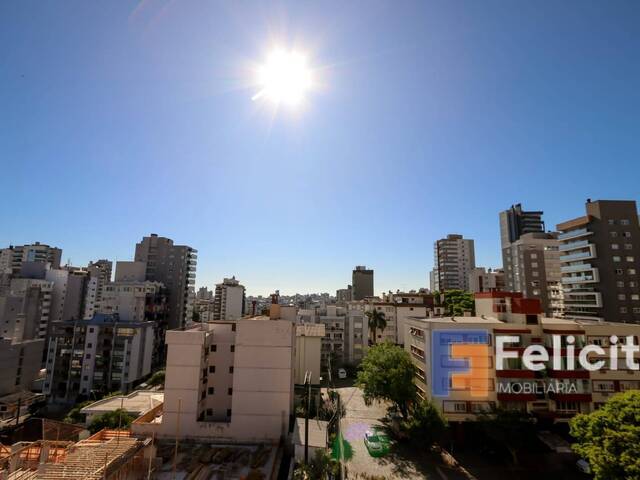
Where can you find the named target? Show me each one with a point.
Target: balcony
(580, 255)
(565, 247)
(583, 267)
(581, 232)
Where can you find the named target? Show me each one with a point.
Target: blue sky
(118, 119)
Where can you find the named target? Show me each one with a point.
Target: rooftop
(137, 402)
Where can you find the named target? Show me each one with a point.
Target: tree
(425, 424)
(512, 429)
(157, 378)
(377, 321)
(116, 419)
(386, 373)
(456, 302)
(320, 467)
(609, 438)
(74, 415)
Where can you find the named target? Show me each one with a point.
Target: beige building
(483, 280)
(453, 259)
(229, 300)
(572, 391)
(227, 382)
(308, 351)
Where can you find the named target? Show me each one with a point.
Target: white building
(453, 259)
(229, 300)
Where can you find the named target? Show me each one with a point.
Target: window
(233, 348)
(630, 258)
(624, 221)
(636, 309)
(633, 284)
(89, 345)
(612, 221)
(455, 407)
(616, 258)
(623, 309)
(228, 412)
(233, 327)
(626, 234)
(535, 273)
(619, 271)
(210, 391)
(615, 246)
(613, 234)
(212, 369)
(230, 391)
(622, 296)
(534, 256)
(90, 329)
(87, 356)
(635, 297)
(628, 246)
(620, 284)
(631, 271)
(230, 369)
(213, 348)
(534, 264)
(209, 412)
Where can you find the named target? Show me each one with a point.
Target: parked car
(583, 466)
(376, 441)
(342, 373)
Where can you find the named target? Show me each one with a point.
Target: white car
(342, 373)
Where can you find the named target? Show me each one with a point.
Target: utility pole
(307, 382)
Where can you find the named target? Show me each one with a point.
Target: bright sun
(284, 78)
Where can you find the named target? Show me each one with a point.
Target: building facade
(229, 302)
(362, 282)
(14, 256)
(175, 267)
(600, 262)
(556, 393)
(454, 258)
(483, 280)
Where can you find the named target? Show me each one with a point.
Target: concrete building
(308, 352)
(204, 294)
(99, 276)
(454, 258)
(344, 295)
(135, 404)
(516, 222)
(532, 267)
(24, 309)
(553, 396)
(175, 267)
(228, 382)
(362, 282)
(20, 362)
(103, 354)
(483, 280)
(229, 303)
(14, 256)
(600, 258)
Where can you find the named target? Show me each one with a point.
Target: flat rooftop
(136, 402)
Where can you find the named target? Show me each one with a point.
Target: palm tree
(376, 322)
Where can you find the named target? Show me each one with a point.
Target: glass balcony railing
(573, 245)
(576, 256)
(574, 234)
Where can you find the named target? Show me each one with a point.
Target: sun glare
(284, 78)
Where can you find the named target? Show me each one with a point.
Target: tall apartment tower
(175, 267)
(99, 276)
(530, 258)
(454, 258)
(13, 257)
(516, 222)
(362, 282)
(229, 300)
(600, 258)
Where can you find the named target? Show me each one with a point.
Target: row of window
(214, 348)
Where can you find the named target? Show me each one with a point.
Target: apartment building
(362, 282)
(454, 258)
(103, 354)
(24, 308)
(175, 267)
(483, 280)
(99, 275)
(14, 256)
(554, 394)
(308, 352)
(600, 262)
(228, 382)
(20, 361)
(516, 222)
(344, 295)
(532, 267)
(229, 302)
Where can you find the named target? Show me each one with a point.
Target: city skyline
(139, 119)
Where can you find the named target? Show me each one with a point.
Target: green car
(376, 441)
